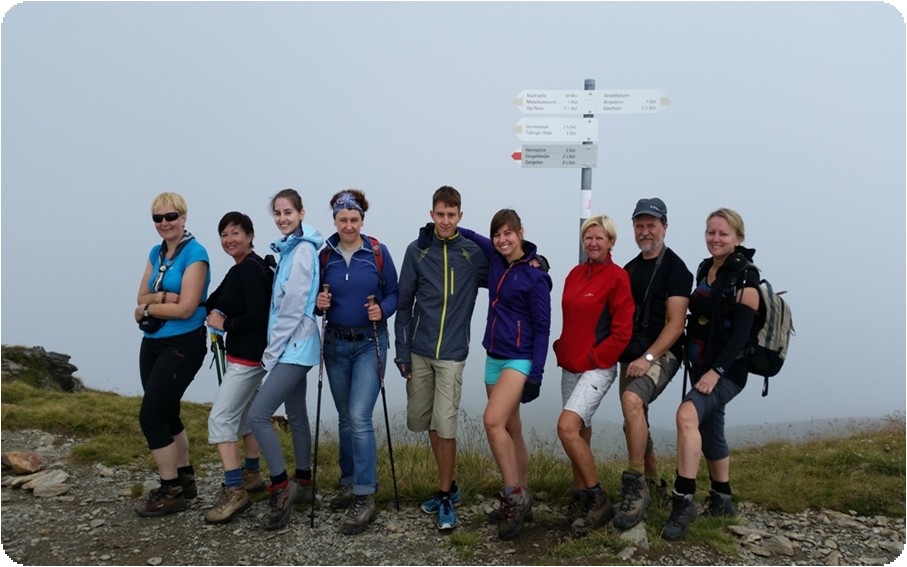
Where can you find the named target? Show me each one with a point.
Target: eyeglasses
(169, 217)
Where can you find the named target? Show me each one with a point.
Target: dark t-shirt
(673, 279)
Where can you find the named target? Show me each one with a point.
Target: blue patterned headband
(346, 200)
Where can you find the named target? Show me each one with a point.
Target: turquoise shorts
(494, 367)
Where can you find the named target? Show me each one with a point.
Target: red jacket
(588, 290)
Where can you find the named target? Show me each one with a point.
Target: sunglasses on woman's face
(169, 217)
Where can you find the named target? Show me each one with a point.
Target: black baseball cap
(654, 207)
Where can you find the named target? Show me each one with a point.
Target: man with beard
(661, 284)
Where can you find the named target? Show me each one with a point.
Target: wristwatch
(145, 310)
(649, 358)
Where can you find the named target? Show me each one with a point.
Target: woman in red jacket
(597, 325)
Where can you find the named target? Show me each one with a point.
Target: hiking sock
(187, 470)
(253, 464)
(722, 487)
(442, 494)
(593, 489)
(636, 466)
(684, 485)
(171, 482)
(508, 490)
(453, 486)
(233, 478)
(304, 475)
(280, 479)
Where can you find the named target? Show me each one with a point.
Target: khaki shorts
(433, 395)
(651, 384)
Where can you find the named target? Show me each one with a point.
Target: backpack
(376, 250)
(767, 348)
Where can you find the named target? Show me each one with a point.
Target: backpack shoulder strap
(379, 260)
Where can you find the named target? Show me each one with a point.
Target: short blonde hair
(733, 219)
(174, 200)
(603, 221)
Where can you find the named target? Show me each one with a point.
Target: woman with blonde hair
(170, 311)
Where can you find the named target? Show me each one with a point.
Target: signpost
(557, 129)
(560, 102)
(577, 124)
(558, 155)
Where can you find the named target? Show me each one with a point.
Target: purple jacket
(519, 307)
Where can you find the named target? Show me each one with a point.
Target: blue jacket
(519, 307)
(351, 285)
(293, 336)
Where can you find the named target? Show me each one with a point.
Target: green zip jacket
(436, 295)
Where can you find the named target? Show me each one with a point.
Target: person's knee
(687, 418)
(631, 404)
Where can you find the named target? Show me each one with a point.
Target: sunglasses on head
(169, 217)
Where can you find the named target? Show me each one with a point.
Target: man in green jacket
(439, 280)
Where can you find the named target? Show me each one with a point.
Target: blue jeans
(352, 367)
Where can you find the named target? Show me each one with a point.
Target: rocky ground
(87, 519)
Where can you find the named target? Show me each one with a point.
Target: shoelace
(445, 506)
(630, 494)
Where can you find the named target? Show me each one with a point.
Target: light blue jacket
(293, 336)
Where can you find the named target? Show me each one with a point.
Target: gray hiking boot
(281, 505)
(360, 514)
(306, 491)
(683, 512)
(232, 501)
(162, 500)
(720, 506)
(658, 492)
(253, 481)
(343, 498)
(514, 508)
(597, 510)
(634, 500)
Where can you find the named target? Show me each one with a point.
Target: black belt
(350, 333)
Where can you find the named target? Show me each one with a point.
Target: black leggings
(167, 367)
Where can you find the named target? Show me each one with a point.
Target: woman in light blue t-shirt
(171, 295)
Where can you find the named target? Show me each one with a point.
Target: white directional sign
(557, 155)
(563, 102)
(556, 129)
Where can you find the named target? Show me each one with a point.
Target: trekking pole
(214, 350)
(324, 326)
(387, 424)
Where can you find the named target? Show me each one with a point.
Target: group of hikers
(635, 324)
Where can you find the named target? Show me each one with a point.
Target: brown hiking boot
(634, 500)
(162, 500)
(281, 505)
(360, 514)
(514, 508)
(253, 481)
(343, 498)
(597, 510)
(190, 490)
(232, 501)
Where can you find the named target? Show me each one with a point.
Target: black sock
(187, 470)
(684, 485)
(282, 477)
(304, 474)
(722, 487)
(171, 482)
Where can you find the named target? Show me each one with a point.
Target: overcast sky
(791, 113)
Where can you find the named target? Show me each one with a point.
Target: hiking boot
(720, 505)
(162, 500)
(281, 503)
(187, 481)
(598, 510)
(514, 509)
(306, 490)
(447, 514)
(497, 514)
(634, 500)
(253, 481)
(683, 512)
(431, 505)
(360, 514)
(658, 492)
(342, 499)
(232, 500)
